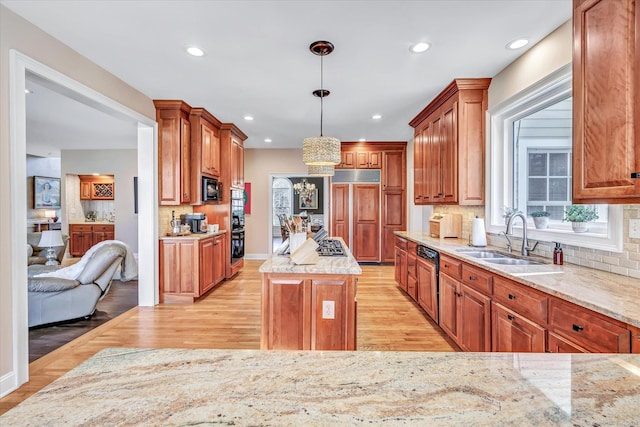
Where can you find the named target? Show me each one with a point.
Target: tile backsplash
(626, 263)
(164, 216)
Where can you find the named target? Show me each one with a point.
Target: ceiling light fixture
(321, 150)
(248, 118)
(376, 116)
(321, 170)
(362, 140)
(195, 51)
(419, 47)
(267, 140)
(517, 44)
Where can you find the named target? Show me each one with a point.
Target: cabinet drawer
(105, 228)
(522, 300)
(477, 278)
(450, 266)
(587, 329)
(80, 227)
(401, 244)
(412, 248)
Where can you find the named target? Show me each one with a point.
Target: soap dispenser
(557, 254)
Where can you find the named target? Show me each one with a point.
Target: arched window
(282, 199)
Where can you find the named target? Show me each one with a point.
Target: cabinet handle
(440, 194)
(446, 266)
(511, 317)
(472, 277)
(635, 174)
(512, 296)
(577, 328)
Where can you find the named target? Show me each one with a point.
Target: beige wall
(16, 33)
(548, 55)
(259, 165)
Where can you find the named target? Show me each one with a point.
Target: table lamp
(49, 239)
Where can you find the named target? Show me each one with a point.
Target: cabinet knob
(577, 328)
(440, 194)
(635, 174)
(512, 296)
(472, 277)
(511, 317)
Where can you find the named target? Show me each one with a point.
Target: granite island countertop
(326, 264)
(173, 387)
(606, 293)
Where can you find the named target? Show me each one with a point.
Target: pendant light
(321, 170)
(321, 150)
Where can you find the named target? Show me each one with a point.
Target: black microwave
(211, 190)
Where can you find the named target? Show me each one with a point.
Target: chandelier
(304, 188)
(321, 150)
(321, 170)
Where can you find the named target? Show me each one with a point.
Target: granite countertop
(610, 294)
(192, 236)
(172, 387)
(326, 264)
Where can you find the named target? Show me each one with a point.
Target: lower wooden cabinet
(83, 236)
(190, 267)
(401, 264)
(557, 344)
(412, 280)
(308, 312)
(427, 287)
(514, 333)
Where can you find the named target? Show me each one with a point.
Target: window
(530, 165)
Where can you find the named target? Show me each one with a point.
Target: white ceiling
(258, 61)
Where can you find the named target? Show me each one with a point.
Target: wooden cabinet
(449, 141)
(393, 199)
(368, 160)
(465, 314)
(523, 300)
(393, 170)
(587, 329)
(348, 160)
(366, 222)
(190, 267)
(606, 87)
(635, 339)
(309, 312)
(412, 279)
(514, 333)
(83, 236)
(401, 263)
(205, 137)
(101, 187)
(557, 344)
(427, 287)
(176, 184)
(237, 163)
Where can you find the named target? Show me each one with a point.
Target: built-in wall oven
(237, 225)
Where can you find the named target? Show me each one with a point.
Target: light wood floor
(229, 318)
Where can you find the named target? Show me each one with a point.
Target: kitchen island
(309, 307)
(123, 386)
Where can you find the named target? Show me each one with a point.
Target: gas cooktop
(330, 247)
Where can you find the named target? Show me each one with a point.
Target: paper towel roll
(478, 235)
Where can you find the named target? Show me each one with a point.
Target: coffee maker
(197, 222)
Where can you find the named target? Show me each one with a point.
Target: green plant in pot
(579, 216)
(540, 219)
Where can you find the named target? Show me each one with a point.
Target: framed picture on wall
(309, 201)
(46, 192)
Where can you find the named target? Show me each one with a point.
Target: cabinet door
(427, 287)
(393, 220)
(401, 269)
(348, 160)
(289, 323)
(514, 333)
(606, 90)
(328, 314)
(362, 160)
(393, 170)
(170, 144)
(449, 155)
(85, 190)
(207, 141)
(237, 164)
(419, 165)
(340, 212)
(475, 323)
(179, 268)
(206, 261)
(375, 160)
(434, 166)
(366, 222)
(449, 313)
(79, 241)
(218, 259)
(557, 344)
(186, 180)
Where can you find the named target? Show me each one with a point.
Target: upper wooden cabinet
(606, 87)
(232, 156)
(360, 160)
(99, 187)
(174, 152)
(449, 145)
(205, 136)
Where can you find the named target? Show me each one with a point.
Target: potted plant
(579, 216)
(540, 219)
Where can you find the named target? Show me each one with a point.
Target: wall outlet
(634, 228)
(328, 309)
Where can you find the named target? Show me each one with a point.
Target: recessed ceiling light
(28, 91)
(95, 174)
(362, 140)
(267, 140)
(248, 118)
(419, 47)
(517, 44)
(195, 51)
(376, 116)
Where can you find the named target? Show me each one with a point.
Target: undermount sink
(513, 261)
(495, 257)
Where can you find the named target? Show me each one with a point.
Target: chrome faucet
(525, 242)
